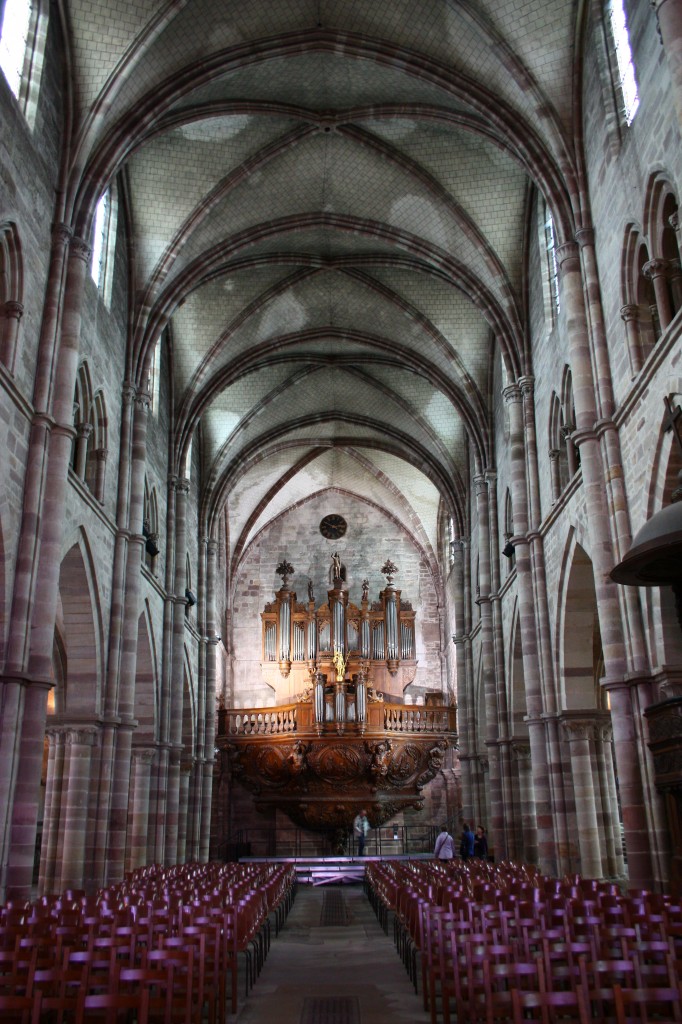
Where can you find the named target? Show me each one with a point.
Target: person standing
(361, 828)
(480, 843)
(466, 844)
(445, 845)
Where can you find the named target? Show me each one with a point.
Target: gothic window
(451, 540)
(189, 592)
(150, 527)
(104, 244)
(564, 455)
(22, 51)
(568, 423)
(82, 421)
(625, 79)
(549, 268)
(153, 377)
(509, 551)
(95, 468)
(11, 289)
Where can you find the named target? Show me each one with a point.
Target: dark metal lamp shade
(655, 558)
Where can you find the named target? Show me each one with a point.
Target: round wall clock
(332, 527)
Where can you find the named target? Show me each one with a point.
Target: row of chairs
(504, 943)
(170, 938)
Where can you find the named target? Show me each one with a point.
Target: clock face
(332, 527)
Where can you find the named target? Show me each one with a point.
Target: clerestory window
(627, 79)
(104, 244)
(22, 50)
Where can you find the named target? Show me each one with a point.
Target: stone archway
(67, 844)
(590, 776)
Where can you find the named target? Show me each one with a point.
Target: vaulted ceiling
(328, 202)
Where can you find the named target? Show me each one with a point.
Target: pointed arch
(146, 681)
(11, 292)
(82, 629)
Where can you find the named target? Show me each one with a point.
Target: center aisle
(346, 971)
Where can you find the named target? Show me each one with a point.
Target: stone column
(529, 638)
(675, 277)
(522, 756)
(52, 810)
(657, 272)
(125, 705)
(669, 14)
(114, 650)
(177, 673)
(13, 313)
(142, 760)
(630, 316)
(555, 473)
(607, 775)
(34, 606)
(213, 639)
(184, 809)
(488, 656)
(571, 454)
(80, 740)
(161, 767)
(83, 432)
(625, 733)
(101, 455)
(581, 733)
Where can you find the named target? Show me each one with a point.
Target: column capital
(13, 310)
(480, 484)
(143, 400)
(512, 393)
(182, 485)
(84, 429)
(61, 234)
(630, 312)
(143, 755)
(554, 454)
(101, 454)
(584, 237)
(527, 385)
(79, 248)
(128, 392)
(520, 750)
(579, 729)
(656, 268)
(81, 735)
(568, 256)
(580, 437)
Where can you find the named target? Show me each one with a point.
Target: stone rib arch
(82, 628)
(146, 682)
(578, 637)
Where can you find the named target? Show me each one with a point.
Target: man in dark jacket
(466, 844)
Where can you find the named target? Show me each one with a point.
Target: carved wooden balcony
(321, 773)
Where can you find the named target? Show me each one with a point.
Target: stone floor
(345, 971)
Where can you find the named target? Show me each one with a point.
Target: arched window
(95, 470)
(552, 266)
(624, 72)
(11, 287)
(82, 421)
(22, 51)
(153, 377)
(150, 527)
(508, 550)
(104, 243)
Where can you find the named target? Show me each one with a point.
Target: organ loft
(340, 735)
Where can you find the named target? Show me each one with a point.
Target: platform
(331, 870)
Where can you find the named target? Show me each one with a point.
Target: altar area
(340, 736)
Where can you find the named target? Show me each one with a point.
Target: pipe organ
(376, 638)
